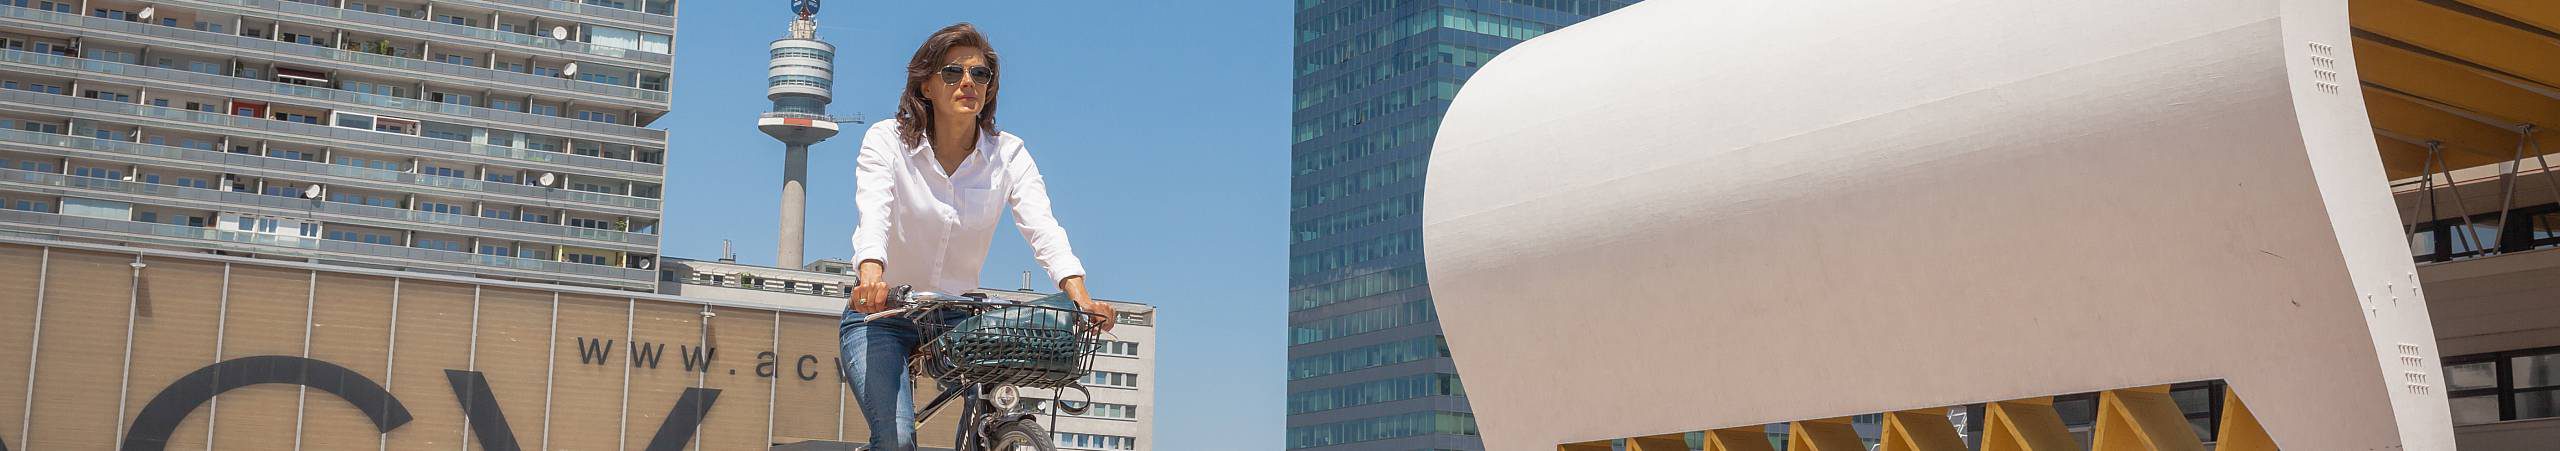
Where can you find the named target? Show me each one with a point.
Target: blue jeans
(875, 359)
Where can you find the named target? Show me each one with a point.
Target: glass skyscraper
(1368, 369)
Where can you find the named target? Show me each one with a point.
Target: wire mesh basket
(1038, 344)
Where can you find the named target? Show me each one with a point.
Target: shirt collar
(986, 140)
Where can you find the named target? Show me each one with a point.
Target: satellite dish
(643, 263)
(549, 178)
(147, 12)
(569, 70)
(560, 33)
(312, 192)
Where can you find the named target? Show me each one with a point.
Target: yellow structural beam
(2142, 419)
(2451, 84)
(1585, 446)
(2468, 142)
(1665, 442)
(1751, 438)
(2401, 159)
(2240, 429)
(1832, 434)
(2473, 39)
(2539, 13)
(2025, 425)
(1919, 430)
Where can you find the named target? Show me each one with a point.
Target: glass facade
(1367, 367)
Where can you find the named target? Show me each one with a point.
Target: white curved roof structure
(1692, 215)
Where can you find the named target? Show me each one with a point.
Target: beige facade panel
(180, 305)
(513, 353)
(586, 385)
(265, 317)
(564, 374)
(663, 337)
(20, 266)
(87, 297)
(350, 326)
(736, 337)
(809, 387)
(434, 335)
(1803, 210)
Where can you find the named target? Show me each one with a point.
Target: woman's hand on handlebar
(1103, 317)
(870, 294)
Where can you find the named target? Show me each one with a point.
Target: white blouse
(931, 229)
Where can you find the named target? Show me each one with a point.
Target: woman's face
(961, 100)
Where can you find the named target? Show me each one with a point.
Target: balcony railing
(390, 143)
(441, 28)
(231, 162)
(217, 199)
(224, 43)
(378, 252)
(657, 20)
(336, 95)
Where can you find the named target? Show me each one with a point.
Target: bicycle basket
(1036, 344)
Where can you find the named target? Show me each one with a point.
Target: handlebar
(903, 300)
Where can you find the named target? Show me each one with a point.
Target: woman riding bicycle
(929, 187)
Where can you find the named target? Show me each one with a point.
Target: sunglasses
(951, 74)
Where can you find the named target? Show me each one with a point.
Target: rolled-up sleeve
(1029, 195)
(873, 187)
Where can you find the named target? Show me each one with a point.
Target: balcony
(207, 199)
(489, 115)
(226, 43)
(300, 132)
(438, 30)
(320, 248)
(219, 162)
(655, 20)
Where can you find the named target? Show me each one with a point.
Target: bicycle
(988, 357)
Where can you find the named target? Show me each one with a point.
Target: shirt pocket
(979, 207)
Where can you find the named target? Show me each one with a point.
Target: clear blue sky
(1162, 127)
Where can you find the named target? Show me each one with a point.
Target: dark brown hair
(915, 114)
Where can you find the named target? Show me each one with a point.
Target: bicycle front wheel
(1024, 435)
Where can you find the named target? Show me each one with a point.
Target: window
(1111, 379)
(1116, 347)
(1094, 441)
(599, 116)
(31, 205)
(99, 173)
(2503, 386)
(440, 244)
(508, 105)
(361, 162)
(501, 251)
(541, 109)
(440, 207)
(37, 166)
(386, 239)
(194, 183)
(497, 213)
(107, 95)
(444, 172)
(591, 259)
(597, 224)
